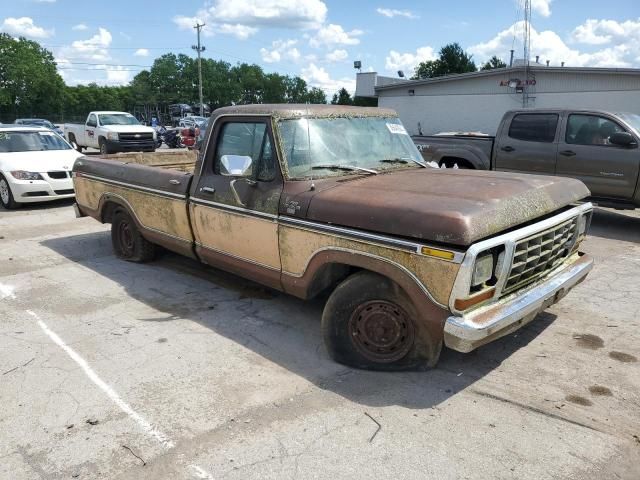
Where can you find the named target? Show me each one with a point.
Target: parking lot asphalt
(175, 370)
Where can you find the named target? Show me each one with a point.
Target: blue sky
(109, 42)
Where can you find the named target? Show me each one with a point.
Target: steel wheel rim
(4, 191)
(125, 237)
(381, 331)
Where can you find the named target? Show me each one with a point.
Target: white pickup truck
(111, 132)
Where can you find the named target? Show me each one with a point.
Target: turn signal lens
(435, 252)
(465, 303)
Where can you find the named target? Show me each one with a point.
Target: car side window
(92, 122)
(590, 130)
(244, 150)
(534, 127)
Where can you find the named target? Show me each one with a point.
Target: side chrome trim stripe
(244, 259)
(160, 193)
(372, 237)
(232, 208)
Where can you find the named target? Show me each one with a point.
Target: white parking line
(93, 376)
(124, 406)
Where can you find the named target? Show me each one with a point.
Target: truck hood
(129, 128)
(46, 161)
(450, 206)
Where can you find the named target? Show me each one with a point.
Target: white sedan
(35, 165)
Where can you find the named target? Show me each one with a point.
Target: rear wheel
(6, 196)
(369, 322)
(74, 144)
(127, 241)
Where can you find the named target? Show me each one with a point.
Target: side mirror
(622, 139)
(236, 165)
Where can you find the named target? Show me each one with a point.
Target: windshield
(39, 123)
(31, 142)
(118, 119)
(374, 143)
(632, 119)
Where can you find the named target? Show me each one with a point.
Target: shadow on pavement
(27, 207)
(281, 328)
(615, 226)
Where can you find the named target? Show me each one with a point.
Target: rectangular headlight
(22, 175)
(482, 270)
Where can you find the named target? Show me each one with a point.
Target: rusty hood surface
(450, 206)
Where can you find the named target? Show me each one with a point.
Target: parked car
(191, 121)
(342, 202)
(40, 122)
(35, 165)
(597, 147)
(111, 132)
(177, 111)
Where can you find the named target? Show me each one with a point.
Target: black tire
(74, 144)
(104, 148)
(6, 195)
(370, 323)
(127, 241)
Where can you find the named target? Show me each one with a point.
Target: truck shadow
(615, 225)
(281, 328)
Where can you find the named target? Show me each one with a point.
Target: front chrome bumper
(467, 332)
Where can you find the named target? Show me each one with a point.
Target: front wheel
(369, 322)
(104, 148)
(6, 196)
(127, 241)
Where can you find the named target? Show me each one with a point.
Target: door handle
(207, 189)
(568, 153)
(508, 148)
(173, 181)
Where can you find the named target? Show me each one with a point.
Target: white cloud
(24, 27)
(550, 46)
(243, 18)
(45, 1)
(79, 27)
(142, 52)
(332, 34)
(117, 75)
(600, 32)
(337, 55)
(543, 7)
(407, 62)
(392, 12)
(319, 77)
(280, 50)
(94, 48)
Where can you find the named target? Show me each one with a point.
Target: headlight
(112, 135)
(22, 175)
(482, 270)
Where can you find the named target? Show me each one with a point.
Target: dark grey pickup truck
(599, 148)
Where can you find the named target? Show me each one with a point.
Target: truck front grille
(540, 253)
(135, 137)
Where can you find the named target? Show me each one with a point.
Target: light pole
(199, 48)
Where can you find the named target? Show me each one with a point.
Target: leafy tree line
(31, 86)
(453, 59)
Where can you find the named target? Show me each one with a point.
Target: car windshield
(39, 123)
(632, 119)
(322, 147)
(16, 141)
(118, 119)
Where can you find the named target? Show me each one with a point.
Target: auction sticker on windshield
(396, 128)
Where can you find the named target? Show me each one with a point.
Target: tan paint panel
(297, 247)
(251, 238)
(153, 211)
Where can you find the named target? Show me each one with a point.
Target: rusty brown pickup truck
(310, 199)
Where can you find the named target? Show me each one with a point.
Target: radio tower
(527, 52)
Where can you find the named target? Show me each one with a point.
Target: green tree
(492, 63)
(29, 81)
(316, 95)
(452, 59)
(342, 97)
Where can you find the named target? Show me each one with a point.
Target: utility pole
(527, 52)
(199, 48)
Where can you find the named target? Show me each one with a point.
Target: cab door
(235, 202)
(528, 143)
(585, 153)
(90, 135)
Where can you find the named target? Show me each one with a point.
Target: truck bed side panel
(476, 150)
(156, 197)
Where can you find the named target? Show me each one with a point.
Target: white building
(476, 101)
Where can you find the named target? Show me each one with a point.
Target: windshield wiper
(402, 160)
(349, 168)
